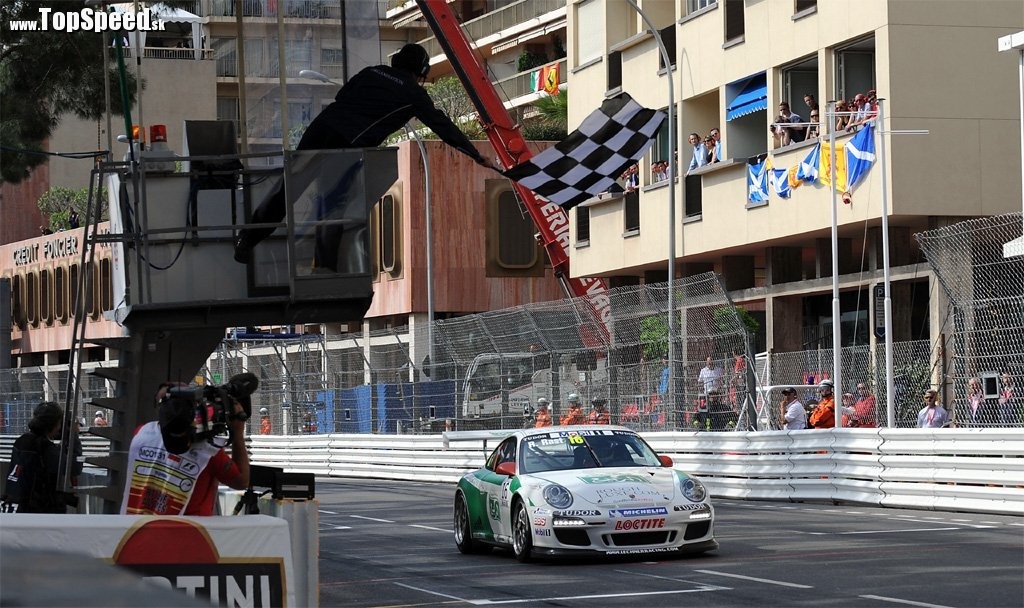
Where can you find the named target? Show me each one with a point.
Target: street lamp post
(837, 334)
(671, 201)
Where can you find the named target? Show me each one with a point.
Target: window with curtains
(590, 19)
(692, 6)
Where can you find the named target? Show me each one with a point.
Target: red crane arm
(551, 220)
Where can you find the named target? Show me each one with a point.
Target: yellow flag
(825, 170)
(550, 76)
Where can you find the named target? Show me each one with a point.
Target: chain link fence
(986, 289)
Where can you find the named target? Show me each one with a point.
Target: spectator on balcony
(814, 130)
(932, 415)
(631, 178)
(842, 119)
(860, 112)
(716, 135)
(658, 171)
(785, 135)
(812, 104)
(700, 153)
(709, 146)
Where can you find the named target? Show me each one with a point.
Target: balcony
(502, 19)
(522, 84)
(293, 9)
(157, 52)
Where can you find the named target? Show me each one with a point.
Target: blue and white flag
(860, 154)
(779, 179)
(757, 182)
(807, 170)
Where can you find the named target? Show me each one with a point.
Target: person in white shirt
(794, 416)
(710, 377)
(700, 153)
(932, 415)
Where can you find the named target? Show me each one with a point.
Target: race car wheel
(463, 531)
(522, 536)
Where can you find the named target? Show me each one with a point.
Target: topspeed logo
(89, 20)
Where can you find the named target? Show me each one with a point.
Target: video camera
(210, 408)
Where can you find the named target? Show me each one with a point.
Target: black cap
(414, 59)
(789, 390)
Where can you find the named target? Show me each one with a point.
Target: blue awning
(751, 98)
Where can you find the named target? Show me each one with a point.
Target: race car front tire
(522, 535)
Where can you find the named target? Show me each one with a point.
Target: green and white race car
(577, 490)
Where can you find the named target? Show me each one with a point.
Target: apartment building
(935, 64)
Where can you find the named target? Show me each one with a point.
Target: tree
(450, 97)
(58, 202)
(554, 119)
(45, 75)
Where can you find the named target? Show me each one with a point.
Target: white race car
(577, 490)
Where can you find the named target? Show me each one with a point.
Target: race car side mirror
(666, 461)
(506, 468)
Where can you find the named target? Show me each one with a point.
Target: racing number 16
(574, 439)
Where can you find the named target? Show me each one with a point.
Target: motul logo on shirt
(640, 524)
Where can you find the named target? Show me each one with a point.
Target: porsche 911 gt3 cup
(588, 489)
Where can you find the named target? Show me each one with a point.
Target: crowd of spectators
(789, 127)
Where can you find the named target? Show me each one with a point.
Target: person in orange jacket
(599, 414)
(824, 416)
(542, 417)
(265, 425)
(575, 413)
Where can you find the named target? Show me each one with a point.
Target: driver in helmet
(575, 414)
(100, 419)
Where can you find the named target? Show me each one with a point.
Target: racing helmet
(542, 402)
(99, 414)
(264, 411)
(826, 385)
(574, 398)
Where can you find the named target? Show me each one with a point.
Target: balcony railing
(154, 52)
(296, 9)
(522, 83)
(501, 19)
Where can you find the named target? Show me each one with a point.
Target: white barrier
(944, 469)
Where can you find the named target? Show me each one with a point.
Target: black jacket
(375, 103)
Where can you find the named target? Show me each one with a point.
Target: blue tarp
(753, 96)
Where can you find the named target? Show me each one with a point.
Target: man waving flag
(588, 161)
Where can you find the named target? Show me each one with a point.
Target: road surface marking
(670, 578)
(328, 512)
(383, 521)
(451, 597)
(589, 597)
(755, 579)
(431, 528)
(899, 601)
(886, 531)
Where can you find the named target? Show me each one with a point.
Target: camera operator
(173, 470)
(33, 482)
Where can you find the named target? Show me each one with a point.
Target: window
(254, 58)
(516, 246)
(224, 54)
(582, 225)
(855, 69)
(661, 153)
(298, 55)
(375, 242)
(803, 5)
(668, 37)
(693, 187)
(73, 275)
(18, 300)
(46, 297)
(589, 19)
(734, 28)
(104, 287)
(614, 70)
(631, 211)
(227, 109)
(692, 6)
(390, 237)
(60, 294)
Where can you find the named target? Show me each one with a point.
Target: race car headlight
(693, 490)
(558, 496)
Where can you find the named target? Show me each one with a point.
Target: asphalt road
(391, 544)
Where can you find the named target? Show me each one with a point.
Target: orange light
(138, 134)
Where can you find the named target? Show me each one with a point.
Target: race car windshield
(569, 450)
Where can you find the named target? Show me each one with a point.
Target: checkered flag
(587, 162)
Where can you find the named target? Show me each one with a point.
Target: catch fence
(985, 286)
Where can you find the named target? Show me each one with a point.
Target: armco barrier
(978, 470)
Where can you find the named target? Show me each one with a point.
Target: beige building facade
(935, 64)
